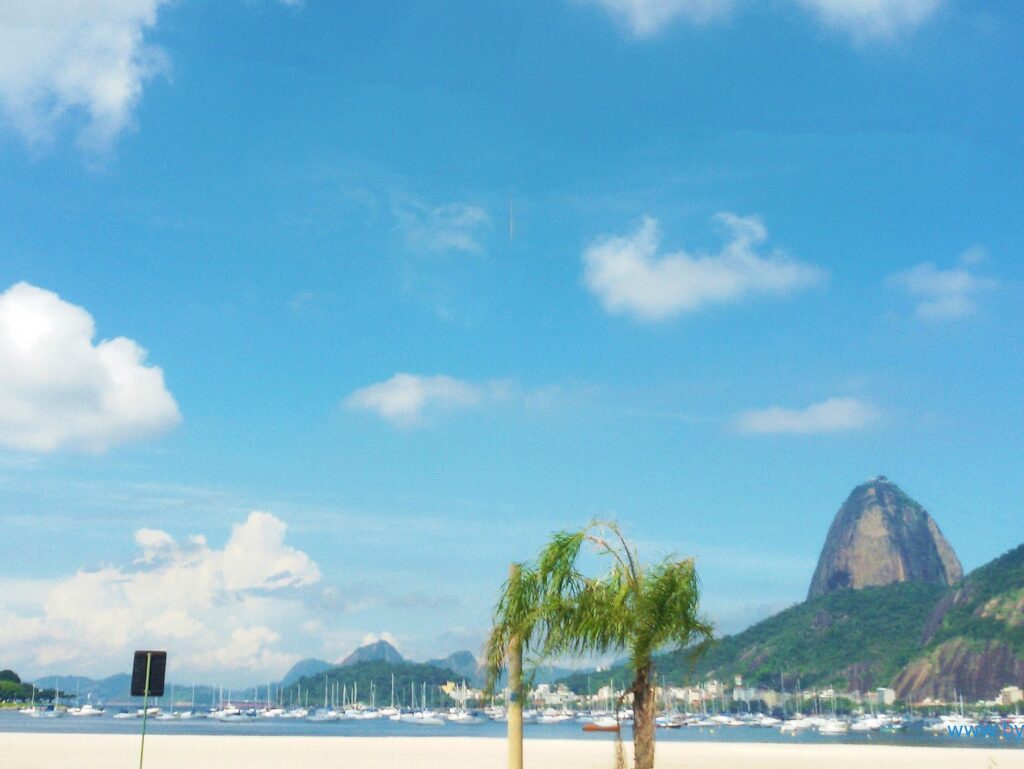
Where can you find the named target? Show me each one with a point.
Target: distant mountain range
(378, 651)
(373, 680)
(457, 667)
(888, 606)
(112, 688)
(304, 669)
(463, 664)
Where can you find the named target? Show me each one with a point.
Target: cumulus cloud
(830, 416)
(644, 18)
(84, 61)
(944, 294)
(871, 19)
(213, 609)
(629, 275)
(59, 390)
(405, 399)
(449, 227)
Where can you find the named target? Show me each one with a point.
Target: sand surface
(110, 751)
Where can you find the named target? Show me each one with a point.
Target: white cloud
(871, 19)
(409, 400)
(629, 275)
(861, 19)
(405, 399)
(80, 60)
(58, 390)
(644, 18)
(214, 610)
(944, 294)
(830, 416)
(974, 255)
(255, 557)
(450, 227)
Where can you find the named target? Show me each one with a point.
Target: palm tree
(553, 608)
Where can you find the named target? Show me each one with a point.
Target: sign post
(147, 678)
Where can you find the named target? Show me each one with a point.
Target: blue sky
(427, 281)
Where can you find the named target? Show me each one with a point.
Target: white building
(882, 696)
(1010, 695)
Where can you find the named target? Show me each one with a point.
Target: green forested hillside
(850, 638)
(12, 689)
(923, 639)
(409, 679)
(987, 606)
(974, 641)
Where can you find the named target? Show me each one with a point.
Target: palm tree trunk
(514, 706)
(643, 719)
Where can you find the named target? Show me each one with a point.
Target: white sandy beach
(106, 751)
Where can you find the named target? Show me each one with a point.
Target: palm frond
(557, 610)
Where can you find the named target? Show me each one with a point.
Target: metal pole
(145, 708)
(515, 685)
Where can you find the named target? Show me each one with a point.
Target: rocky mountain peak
(378, 651)
(879, 536)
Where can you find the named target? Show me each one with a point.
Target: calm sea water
(17, 722)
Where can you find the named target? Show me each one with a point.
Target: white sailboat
(31, 709)
(391, 711)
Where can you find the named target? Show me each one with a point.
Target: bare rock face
(880, 536)
(975, 670)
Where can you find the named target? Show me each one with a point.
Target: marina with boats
(351, 717)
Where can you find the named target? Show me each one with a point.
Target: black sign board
(157, 668)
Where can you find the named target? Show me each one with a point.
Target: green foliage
(858, 638)
(13, 690)
(983, 606)
(556, 609)
(373, 679)
(871, 633)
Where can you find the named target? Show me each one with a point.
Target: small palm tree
(552, 608)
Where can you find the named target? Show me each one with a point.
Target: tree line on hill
(12, 689)
(922, 639)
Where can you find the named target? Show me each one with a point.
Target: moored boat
(603, 724)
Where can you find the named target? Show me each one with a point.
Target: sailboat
(53, 710)
(270, 711)
(325, 713)
(31, 709)
(228, 713)
(297, 711)
(424, 717)
(459, 715)
(172, 716)
(391, 711)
